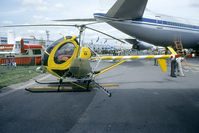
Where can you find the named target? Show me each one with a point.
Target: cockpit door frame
(66, 65)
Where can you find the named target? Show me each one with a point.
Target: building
(3, 40)
(28, 40)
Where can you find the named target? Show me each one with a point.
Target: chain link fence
(14, 70)
(11, 63)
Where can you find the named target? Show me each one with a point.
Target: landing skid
(54, 89)
(69, 86)
(61, 86)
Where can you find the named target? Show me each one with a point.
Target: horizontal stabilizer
(40, 25)
(78, 20)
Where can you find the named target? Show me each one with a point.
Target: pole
(47, 39)
(7, 64)
(81, 30)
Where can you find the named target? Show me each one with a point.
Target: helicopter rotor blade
(105, 34)
(42, 25)
(65, 25)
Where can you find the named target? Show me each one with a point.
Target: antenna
(47, 37)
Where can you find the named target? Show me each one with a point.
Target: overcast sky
(42, 11)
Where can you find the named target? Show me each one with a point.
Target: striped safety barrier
(141, 57)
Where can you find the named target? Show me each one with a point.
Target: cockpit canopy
(60, 51)
(64, 52)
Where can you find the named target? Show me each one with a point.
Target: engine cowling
(139, 45)
(85, 53)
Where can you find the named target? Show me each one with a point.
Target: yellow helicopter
(67, 58)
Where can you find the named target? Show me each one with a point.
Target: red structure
(31, 54)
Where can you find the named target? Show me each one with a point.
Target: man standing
(173, 68)
(179, 66)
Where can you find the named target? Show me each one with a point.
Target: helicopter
(67, 58)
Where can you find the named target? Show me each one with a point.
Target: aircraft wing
(127, 9)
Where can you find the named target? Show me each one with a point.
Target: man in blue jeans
(173, 68)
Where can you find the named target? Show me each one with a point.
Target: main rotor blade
(62, 25)
(44, 25)
(105, 34)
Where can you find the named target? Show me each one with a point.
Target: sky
(43, 11)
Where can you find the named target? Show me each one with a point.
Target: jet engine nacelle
(140, 45)
(144, 46)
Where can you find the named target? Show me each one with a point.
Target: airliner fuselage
(154, 31)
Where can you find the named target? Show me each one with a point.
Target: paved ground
(146, 101)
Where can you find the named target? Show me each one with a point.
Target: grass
(17, 75)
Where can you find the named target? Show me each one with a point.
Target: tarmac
(146, 101)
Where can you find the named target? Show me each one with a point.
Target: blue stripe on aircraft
(182, 28)
(167, 23)
(162, 22)
(99, 14)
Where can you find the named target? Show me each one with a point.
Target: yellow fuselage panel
(61, 56)
(65, 65)
(85, 53)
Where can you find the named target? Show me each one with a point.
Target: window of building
(5, 41)
(26, 42)
(36, 51)
(26, 52)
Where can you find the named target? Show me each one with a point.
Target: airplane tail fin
(77, 20)
(127, 9)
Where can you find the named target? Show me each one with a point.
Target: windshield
(49, 48)
(64, 53)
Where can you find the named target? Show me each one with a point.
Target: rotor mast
(81, 30)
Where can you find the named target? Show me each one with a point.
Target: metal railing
(11, 63)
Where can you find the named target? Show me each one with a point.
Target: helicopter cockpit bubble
(59, 55)
(64, 52)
